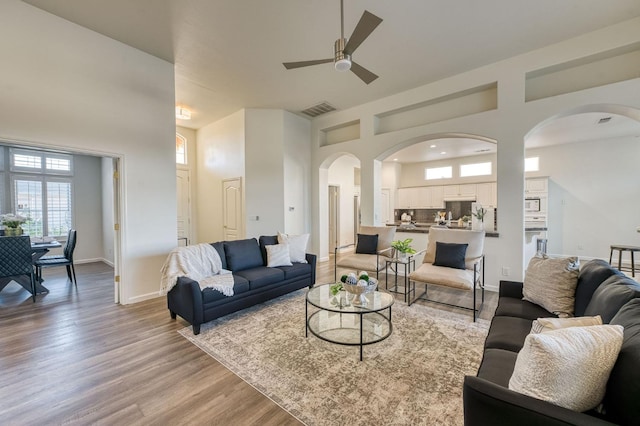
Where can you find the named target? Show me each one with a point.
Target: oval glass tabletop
(322, 298)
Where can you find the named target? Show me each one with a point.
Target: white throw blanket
(200, 262)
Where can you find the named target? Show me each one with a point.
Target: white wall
(297, 174)
(594, 195)
(106, 191)
(341, 174)
(508, 124)
(220, 155)
(264, 171)
(87, 195)
(64, 86)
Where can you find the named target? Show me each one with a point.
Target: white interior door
(232, 208)
(183, 192)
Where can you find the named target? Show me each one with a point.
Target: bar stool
(620, 249)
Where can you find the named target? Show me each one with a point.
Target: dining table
(38, 249)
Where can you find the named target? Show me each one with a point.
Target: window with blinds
(41, 189)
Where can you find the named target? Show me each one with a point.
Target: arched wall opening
(589, 156)
(375, 182)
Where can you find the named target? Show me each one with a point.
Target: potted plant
(11, 223)
(479, 214)
(404, 248)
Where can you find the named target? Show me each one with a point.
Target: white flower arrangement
(11, 220)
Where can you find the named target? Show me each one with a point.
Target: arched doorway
(589, 158)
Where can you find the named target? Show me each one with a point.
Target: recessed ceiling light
(395, 159)
(432, 146)
(443, 152)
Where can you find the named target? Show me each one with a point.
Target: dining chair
(65, 259)
(16, 259)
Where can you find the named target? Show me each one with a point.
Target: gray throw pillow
(450, 255)
(551, 283)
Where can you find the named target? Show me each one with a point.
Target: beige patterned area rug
(413, 377)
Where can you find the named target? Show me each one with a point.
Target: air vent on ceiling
(319, 109)
(604, 120)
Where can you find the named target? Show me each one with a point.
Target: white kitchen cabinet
(459, 192)
(414, 198)
(437, 197)
(536, 186)
(487, 194)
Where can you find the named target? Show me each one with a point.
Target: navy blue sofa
(254, 282)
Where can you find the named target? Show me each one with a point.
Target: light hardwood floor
(75, 357)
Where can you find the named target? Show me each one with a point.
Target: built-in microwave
(532, 204)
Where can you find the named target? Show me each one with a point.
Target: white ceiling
(228, 54)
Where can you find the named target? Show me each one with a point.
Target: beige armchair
(375, 262)
(452, 266)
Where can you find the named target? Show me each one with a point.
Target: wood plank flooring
(75, 357)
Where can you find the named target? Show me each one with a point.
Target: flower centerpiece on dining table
(11, 223)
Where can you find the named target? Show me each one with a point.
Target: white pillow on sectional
(297, 246)
(568, 367)
(278, 255)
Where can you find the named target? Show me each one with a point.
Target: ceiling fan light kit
(343, 48)
(342, 61)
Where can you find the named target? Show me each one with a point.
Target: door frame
(336, 216)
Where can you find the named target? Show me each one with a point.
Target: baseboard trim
(143, 297)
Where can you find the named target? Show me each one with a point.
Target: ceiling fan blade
(291, 65)
(368, 22)
(364, 74)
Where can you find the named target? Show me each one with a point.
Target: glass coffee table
(338, 321)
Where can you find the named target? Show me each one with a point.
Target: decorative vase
(12, 232)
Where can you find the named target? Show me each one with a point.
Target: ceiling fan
(343, 48)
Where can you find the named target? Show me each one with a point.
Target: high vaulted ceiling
(228, 54)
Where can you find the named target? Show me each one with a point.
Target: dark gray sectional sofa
(602, 290)
(254, 282)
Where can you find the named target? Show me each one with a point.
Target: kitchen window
(532, 164)
(438, 173)
(476, 169)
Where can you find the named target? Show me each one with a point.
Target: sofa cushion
(367, 244)
(611, 295)
(219, 246)
(568, 367)
(592, 274)
(266, 240)
(261, 276)
(295, 270)
(511, 307)
(497, 366)
(507, 333)
(450, 255)
(551, 283)
(240, 285)
(442, 275)
(623, 388)
(542, 325)
(242, 254)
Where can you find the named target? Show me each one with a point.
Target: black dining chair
(65, 259)
(16, 259)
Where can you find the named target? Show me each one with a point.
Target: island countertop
(420, 228)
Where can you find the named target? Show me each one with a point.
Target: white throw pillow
(542, 325)
(278, 255)
(568, 367)
(551, 283)
(297, 246)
